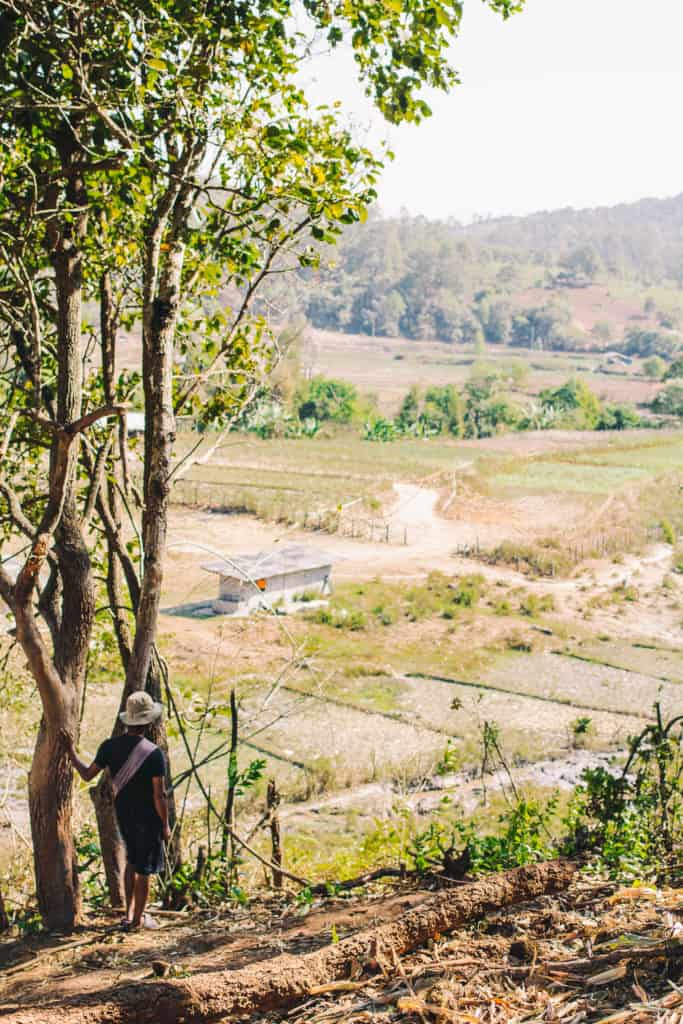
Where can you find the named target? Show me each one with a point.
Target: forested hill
(566, 278)
(643, 239)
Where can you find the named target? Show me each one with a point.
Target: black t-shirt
(135, 802)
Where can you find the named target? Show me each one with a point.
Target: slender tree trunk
(50, 779)
(229, 812)
(4, 919)
(273, 802)
(50, 804)
(142, 672)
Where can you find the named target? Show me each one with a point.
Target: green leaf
(67, 72)
(157, 63)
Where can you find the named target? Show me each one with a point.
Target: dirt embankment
(283, 981)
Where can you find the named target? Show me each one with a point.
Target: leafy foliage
(632, 821)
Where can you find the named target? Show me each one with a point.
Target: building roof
(276, 562)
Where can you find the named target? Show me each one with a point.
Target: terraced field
(383, 728)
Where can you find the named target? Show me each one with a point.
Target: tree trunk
(50, 805)
(229, 812)
(283, 981)
(273, 802)
(111, 844)
(4, 919)
(61, 683)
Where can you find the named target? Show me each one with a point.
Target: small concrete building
(288, 577)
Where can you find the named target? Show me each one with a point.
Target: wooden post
(4, 919)
(229, 813)
(387, 534)
(405, 534)
(272, 803)
(201, 865)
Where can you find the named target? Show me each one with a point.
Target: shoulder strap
(137, 757)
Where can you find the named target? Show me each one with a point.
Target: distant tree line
(439, 280)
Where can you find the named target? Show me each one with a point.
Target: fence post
(387, 533)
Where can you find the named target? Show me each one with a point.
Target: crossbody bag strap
(135, 760)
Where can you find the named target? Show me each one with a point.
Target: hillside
(516, 947)
(564, 279)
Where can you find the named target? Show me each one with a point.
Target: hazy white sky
(571, 103)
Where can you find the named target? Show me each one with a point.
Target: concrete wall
(236, 596)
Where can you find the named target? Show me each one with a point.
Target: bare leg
(140, 897)
(129, 885)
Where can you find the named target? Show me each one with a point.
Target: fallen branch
(323, 888)
(286, 980)
(671, 949)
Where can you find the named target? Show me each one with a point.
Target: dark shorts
(144, 846)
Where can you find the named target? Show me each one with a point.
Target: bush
(380, 429)
(668, 532)
(633, 820)
(675, 370)
(326, 399)
(339, 618)
(654, 367)
(532, 605)
(581, 729)
(669, 401)
(523, 837)
(574, 403)
(618, 417)
(468, 591)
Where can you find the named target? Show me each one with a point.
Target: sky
(570, 103)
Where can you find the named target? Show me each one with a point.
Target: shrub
(324, 398)
(386, 616)
(669, 401)
(633, 820)
(532, 605)
(468, 591)
(654, 367)
(668, 532)
(339, 618)
(581, 729)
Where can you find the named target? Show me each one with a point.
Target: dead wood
(359, 882)
(671, 949)
(288, 979)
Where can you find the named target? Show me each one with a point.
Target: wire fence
(280, 505)
(545, 560)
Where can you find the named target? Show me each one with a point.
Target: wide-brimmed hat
(141, 709)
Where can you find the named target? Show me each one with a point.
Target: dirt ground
(196, 537)
(594, 952)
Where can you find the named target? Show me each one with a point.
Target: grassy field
(387, 367)
(621, 483)
(289, 479)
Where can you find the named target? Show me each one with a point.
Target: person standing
(137, 770)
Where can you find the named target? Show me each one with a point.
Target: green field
(299, 480)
